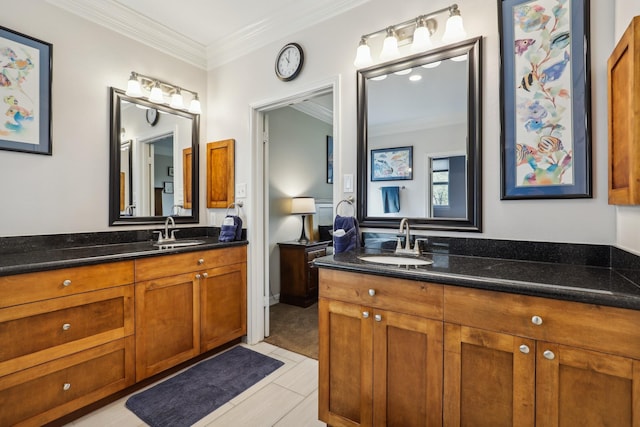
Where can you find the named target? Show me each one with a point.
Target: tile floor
(286, 398)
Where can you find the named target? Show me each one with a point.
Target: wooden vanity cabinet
(380, 351)
(66, 340)
(187, 304)
(513, 360)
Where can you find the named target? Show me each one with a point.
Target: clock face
(289, 62)
(152, 116)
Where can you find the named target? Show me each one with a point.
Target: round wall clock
(152, 116)
(289, 62)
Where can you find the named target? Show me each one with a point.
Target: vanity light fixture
(416, 31)
(158, 89)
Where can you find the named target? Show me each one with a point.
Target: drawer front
(316, 253)
(34, 333)
(169, 265)
(406, 296)
(38, 395)
(607, 329)
(30, 287)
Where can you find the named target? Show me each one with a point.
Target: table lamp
(303, 206)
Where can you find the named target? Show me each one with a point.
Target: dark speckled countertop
(589, 284)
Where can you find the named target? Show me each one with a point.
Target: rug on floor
(191, 395)
(294, 328)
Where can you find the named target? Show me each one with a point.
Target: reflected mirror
(419, 140)
(153, 173)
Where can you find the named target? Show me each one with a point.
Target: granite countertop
(51, 259)
(580, 283)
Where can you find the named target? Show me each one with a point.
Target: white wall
(68, 192)
(627, 217)
(329, 52)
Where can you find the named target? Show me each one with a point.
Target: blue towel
(231, 229)
(351, 239)
(391, 199)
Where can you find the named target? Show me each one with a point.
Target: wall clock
(152, 116)
(289, 62)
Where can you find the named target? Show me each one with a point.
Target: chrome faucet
(404, 225)
(167, 237)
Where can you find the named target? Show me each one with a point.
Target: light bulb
(363, 55)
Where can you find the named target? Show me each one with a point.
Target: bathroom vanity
(477, 341)
(78, 324)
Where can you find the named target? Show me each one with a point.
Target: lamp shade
(390, 47)
(156, 94)
(363, 55)
(133, 86)
(303, 205)
(454, 30)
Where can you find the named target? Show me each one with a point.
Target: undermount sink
(395, 260)
(179, 243)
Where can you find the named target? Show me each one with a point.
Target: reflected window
(440, 182)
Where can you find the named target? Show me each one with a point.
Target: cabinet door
(345, 368)
(489, 378)
(167, 323)
(223, 305)
(576, 387)
(407, 370)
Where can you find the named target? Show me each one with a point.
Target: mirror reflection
(153, 171)
(419, 140)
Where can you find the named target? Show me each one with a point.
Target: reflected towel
(391, 199)
(349, 238)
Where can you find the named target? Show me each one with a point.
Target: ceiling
(207, 33)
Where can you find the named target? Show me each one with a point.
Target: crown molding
(129, 23)
(315, 110)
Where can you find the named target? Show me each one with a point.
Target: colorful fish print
(527, 81)
(550, 176)
(521, 45)
(8, 52)
(533, 125)
(4, 81)
(531, 18)
(526, 154)
(555, 71)
(549, 144)
(561, 40)
(531, 110)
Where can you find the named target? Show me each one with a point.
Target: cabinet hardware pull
(198, 276)
(536, 320)
(66, 283)
(524, 349)
(201, 261)
(378, 317)
(66, 386)
(365, 314)
(205, 275)
(372, 292)
(548, 354)
(66, 326)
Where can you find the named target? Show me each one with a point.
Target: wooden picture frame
(25, 93)
(545, 99)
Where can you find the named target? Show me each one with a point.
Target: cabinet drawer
(30, 287)
(43, 393)
(606, 329)
(406, 296)
(313, 254)
(34, 333)
(168, 265)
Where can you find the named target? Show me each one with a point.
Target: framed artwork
(25, 93)
(167, 187)
(170, 171)
(545, 99)
(329, 159)
(392, 164)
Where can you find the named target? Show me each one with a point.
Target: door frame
(258, 265)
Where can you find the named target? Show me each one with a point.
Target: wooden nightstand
(298, 277)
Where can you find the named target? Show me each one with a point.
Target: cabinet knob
(66, 326)
(378, 317)
(201, 261)
(66, 283)
(372, 292)
(536, 320)
(198, 276)
(205, 275)
(365, 314)
(66, 386)
(524, 349)
(548, 354)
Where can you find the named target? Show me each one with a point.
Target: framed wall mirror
(153, 170)
(420, 140)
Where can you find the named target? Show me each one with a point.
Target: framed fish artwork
(545, 99)
(392, 164)
(25, 93)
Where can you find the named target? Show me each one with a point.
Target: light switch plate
(347, 185)
(241, 191)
